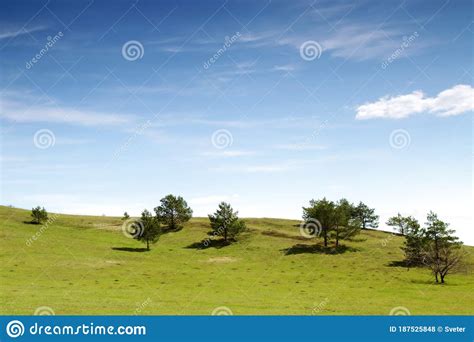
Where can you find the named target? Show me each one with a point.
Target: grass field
(85, 265)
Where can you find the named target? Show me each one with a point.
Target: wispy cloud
(328, 11)
(301, 147)
(229, 153)
(354, 41)
(285, 68)
(19, 112)
(180, 119)
(72, 141)
(4, 34)
(257, 39)
(361, 42)
(454, 101)
(260, 168)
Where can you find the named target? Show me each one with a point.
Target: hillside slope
(85, 265)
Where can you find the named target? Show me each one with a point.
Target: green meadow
(86, 265)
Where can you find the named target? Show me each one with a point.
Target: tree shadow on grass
(130, 249)
(357, 239)
(208, 243)
(31, 222)
(423, 282)
(166, 229)
(398, 263)
(317, 249)
(405, 264)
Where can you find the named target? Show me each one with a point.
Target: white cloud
(366, 42)
(17, 112)
(286, 67)
(73, 141)
(229, 153)
(264, 168)
(15, 33)
(257, 39)
(300, 147)
(454, 101)
(331, 11)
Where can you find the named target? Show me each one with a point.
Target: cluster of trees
(174, 211)
(170, 215)
(339, 220)
(434, 245)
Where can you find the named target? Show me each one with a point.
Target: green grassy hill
(85, 265)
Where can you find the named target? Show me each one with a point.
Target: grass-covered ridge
(85, 265)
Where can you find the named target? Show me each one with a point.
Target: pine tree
(173, 212)
(226, 223)
(366, 216)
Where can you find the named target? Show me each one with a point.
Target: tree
(39, 215)
(366, 216)
(398, 223)
(415, 241)
(442, 252)
(173, 212)
(345, 225)
(409, 227)
(125, 216)
(324, 212)
(148, 229)
(226, 223)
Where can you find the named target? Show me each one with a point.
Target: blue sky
(263, 104)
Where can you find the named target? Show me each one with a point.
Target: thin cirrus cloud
(284, 68)
(229, 154)
(453, 101)
(366, 42)
(15, 33)
(304, 146)
(260, 168)
(17, 112)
